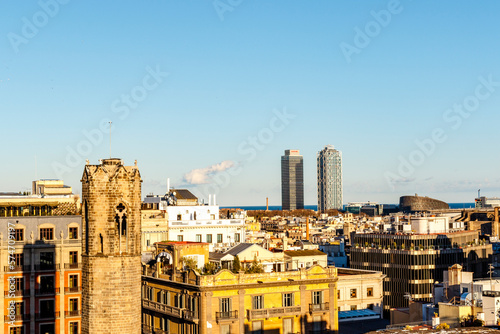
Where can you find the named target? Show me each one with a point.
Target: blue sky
(188, 84)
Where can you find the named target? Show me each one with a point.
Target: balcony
(18, 293)
(47, 292)
(72, 266)
(323, 307)
(146, 329)
(162, 308)
(74, 289)
(47, 316)
(273, 312)
(230, 315)
(16, 269)
(189, 315)
(17, 317)
(77, 313)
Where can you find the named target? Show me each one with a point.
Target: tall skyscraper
(292, 180)
(329, 179)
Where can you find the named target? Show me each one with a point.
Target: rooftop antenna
(479, 193)
(110, 139)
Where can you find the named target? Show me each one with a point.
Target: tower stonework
(111, 255)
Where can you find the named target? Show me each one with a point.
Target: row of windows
(46, 258)
(45, 233)
(237, 238)
(46, 306)
(45, 328)
(47, 283)
(353, 293)
(287, 300)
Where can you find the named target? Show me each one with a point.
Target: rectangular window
(73, 232)
(219, 238)
(73, 304)
(258, 302)
(47, 283)
(209, 238)
(338, 294)
(19, 308)
(19, 283)
(354, 307)
(46, 260)
(16, 330)
(180, 238)
(198, 238)
(353, 293)
(73, 281)
(47, 308)
(73, 328)
(19, 258)
(257, 327)
(287, 299)
(237, 237)
(73, 257)
(369, 292)
(317, 297)
(19, 234)
(46, 233)
(225, 305)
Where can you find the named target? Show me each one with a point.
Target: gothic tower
(111, 255)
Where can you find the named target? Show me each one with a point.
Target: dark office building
(292, 180)
(413, 262)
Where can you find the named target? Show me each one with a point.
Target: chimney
(209, 199)
(215, 202)
(267, 203)
(168, 185)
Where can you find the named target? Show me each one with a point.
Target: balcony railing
(162, 308)
(47, 316)
(146, 329)
(188, 315)
(13, 269)
(45, 292)
(230, 315)
(273, 312)
(77, 313)
(72, 265)
(74, 289)
(18, 293)
(17, 317)
(319, 307)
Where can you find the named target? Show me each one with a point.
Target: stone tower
(111, 255)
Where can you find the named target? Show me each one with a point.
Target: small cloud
(201, 175)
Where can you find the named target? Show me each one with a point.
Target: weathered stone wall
(111, 271)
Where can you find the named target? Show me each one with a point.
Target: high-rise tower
(111, 254)
(329, 179)
(292, 180)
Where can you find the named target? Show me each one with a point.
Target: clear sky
(211, 93)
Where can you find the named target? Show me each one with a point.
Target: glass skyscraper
(329, 179)
(292, 180)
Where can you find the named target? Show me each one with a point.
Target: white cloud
(201, 175)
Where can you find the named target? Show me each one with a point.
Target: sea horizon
(464, 205)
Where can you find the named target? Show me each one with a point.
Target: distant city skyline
(208, 98)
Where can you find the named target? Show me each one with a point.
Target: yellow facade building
(303, 301)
